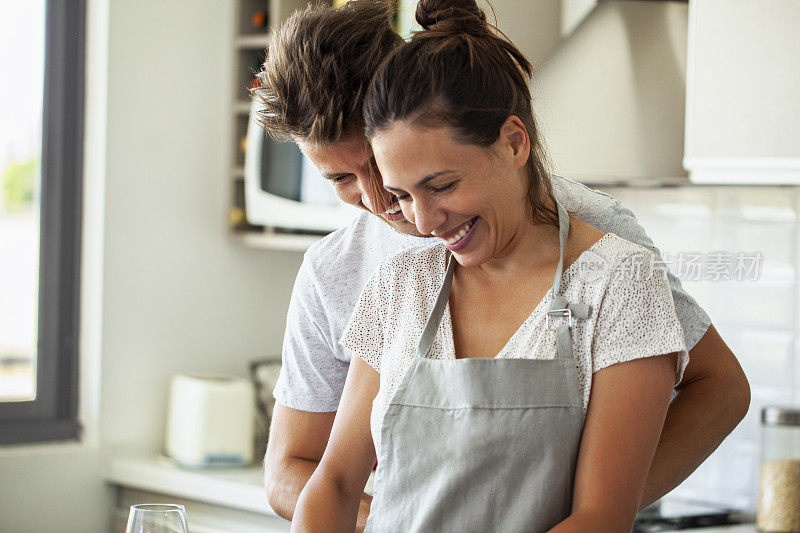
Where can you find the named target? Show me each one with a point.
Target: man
(311, 90)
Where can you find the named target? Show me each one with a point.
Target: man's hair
(317, 70)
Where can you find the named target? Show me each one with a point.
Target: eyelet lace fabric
(633, 316)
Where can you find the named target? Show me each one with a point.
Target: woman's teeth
(392, 210)
(460, 235)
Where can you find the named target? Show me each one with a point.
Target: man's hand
(297, 440)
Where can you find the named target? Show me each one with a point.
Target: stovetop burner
(674, 514)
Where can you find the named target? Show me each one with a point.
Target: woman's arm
(627, 407)
(330, 500)
(711, 400)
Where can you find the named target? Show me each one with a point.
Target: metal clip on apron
(482, 444)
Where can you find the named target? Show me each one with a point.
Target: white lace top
(632, 316)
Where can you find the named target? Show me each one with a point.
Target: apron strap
(559, 307)
(432, 326)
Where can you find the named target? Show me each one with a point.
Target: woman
(496, 402)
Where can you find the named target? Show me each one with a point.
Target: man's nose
(373, 195)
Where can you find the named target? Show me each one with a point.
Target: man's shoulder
(614, 248)
(354, 251)
(592, 206)
(339, 241)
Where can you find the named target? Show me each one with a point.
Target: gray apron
(482, 444)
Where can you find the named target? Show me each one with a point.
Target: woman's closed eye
(443, 188)
(340, 179)
(435, 190)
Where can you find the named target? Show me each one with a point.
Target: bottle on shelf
(259, 19)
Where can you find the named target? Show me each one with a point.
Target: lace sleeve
(636, 316)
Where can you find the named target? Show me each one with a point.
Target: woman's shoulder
(615, 250)
(412, 263)
(612, 260)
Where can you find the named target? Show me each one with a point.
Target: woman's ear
(514, 136)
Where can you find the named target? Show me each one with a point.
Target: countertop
(237, 488)
(741, 528)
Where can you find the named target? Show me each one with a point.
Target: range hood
(610, 100)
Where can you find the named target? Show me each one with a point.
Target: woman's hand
(627, 407)
(330, 500)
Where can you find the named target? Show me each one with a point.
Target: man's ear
(514, 135)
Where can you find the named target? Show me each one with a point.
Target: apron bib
(482, 444)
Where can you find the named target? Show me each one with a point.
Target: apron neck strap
(563, 234)
(558, 306)
(432, 326)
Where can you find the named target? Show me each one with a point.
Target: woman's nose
(427, 217)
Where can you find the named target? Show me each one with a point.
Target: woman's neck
(529, 247)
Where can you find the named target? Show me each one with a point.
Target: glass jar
(779, 487)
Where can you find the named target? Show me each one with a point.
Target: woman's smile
(458, 239)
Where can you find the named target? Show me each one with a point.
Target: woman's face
(472, 197)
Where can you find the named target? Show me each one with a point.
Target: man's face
(351, 169)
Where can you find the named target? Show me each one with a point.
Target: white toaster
(211, 420)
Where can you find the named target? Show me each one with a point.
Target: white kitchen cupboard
(743, 92)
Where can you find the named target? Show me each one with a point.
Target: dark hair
(319, 62)
(463, 73)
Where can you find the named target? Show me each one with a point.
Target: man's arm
(297, 440)
(711, 400)
(713, 395)
(307, 394)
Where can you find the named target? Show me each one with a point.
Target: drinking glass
(157, 518)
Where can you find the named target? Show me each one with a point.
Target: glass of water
(157, 518)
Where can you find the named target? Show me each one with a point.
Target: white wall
(171, 291)
(536, 28)
(179, 293)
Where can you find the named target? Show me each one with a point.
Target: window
(41, 143)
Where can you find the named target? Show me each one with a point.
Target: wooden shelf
(252, 42)
(241, 107)
(270, 240)
(249, 46)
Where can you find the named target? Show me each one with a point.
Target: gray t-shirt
(336, 269)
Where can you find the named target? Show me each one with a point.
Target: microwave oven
(284, 190)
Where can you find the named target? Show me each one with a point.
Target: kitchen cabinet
(743, 92)
(254, 20)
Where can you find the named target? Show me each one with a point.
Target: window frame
(53, 415)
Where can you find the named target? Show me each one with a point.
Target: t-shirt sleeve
(636, 317)
(694, 320)
(311, 378)
(364, 334)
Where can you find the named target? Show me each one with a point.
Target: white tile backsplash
(758, 319)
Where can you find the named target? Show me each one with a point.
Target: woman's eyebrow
(423, 181)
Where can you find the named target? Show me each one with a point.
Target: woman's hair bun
(451, 16)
